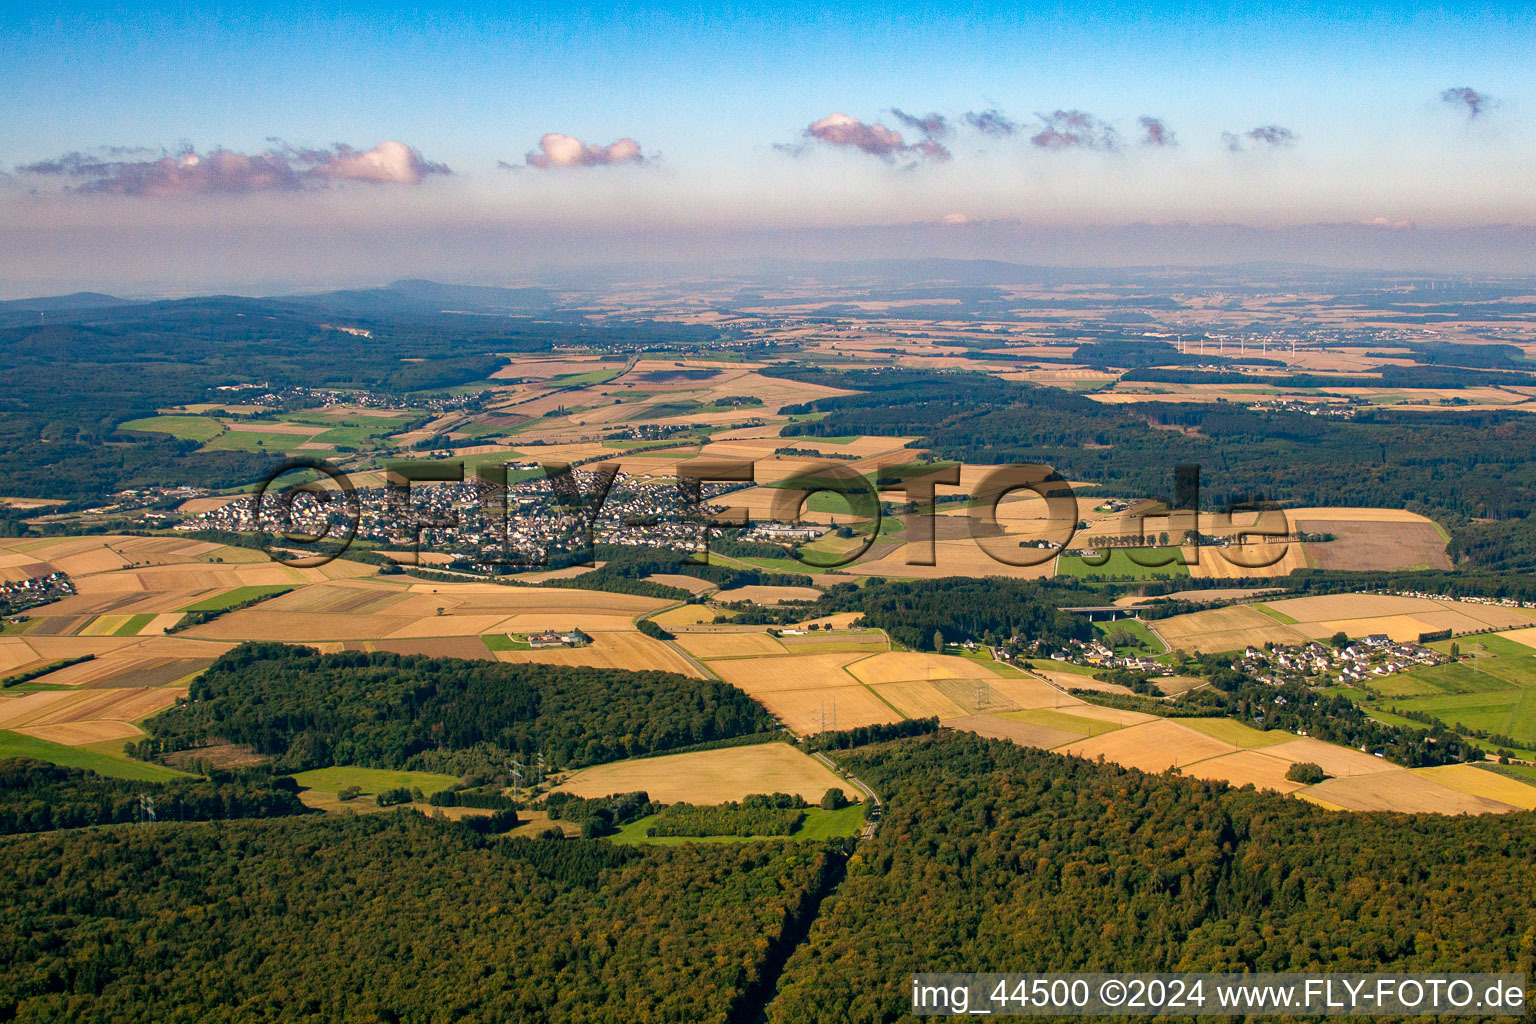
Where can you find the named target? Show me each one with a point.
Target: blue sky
(707, 93)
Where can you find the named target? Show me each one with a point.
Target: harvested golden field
(920, 699)
(368, 610)
(136, 666)
(1401, 790)
(960, 557)
(1270, 560)
(1025, 734)
(686, 615)
(1365, 546)
(259, 623)
(899, 666)
(767, 595)
(729, 645)
(712, 776)
(1245, 768)
(1466, 778)
(78, 734)
(1525, 636)
(844, 707)
(800, 672)
(1150, 746)
(1032, 692)
(1402, 618)
(1333, 759)
(1356, 515)
(634, 651)
(68, 707)
(1224, 629)
(692, 584)
(1115, 716)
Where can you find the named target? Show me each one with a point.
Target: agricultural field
(1223, 629)
(102, 758)
(1228, 751)
(1401, 618)
(1121, 565)
(712, 776)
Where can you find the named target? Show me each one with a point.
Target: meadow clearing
(712, 776)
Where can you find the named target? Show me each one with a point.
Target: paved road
(874, 820)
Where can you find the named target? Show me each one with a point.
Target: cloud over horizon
(284, 168)
(1074, 129)
(1272, 136)
(1467, 99)
(933, 125)
(875, 139)
(558, 151)
(991, 122)
(1156, 133)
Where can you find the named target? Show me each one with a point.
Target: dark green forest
(385, 917)
(36, 797)
(960, 607)
(68, 379)
(308, 710)
(989, 856)
(993, 857)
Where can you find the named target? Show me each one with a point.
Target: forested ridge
(958, 607)
(989, 856)
(36, 797)
(308, 710)
(385, 917)
(1457, 466)
(993, 857)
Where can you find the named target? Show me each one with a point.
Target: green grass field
(1062, 720)
(818, 824)
(1120, 565)
(1143, 640)
(1236, 733)
(371, 780)
(185, 428)
(219, 602)
(573, 380)
(504, 642)
(1506, 712)
(1277, 616)
(260, 441)
(133, 625)
(1493, 691)
(14, 744)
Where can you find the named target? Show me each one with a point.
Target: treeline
(43, 670)
(197, 618)
(599, 816)
(990, 853)
(307, 710)
(37, 797)
(777, 814)
(624, 568)
(958, 608)
(862, 735)
(349, 919)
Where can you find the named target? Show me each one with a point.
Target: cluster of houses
(1360, 661)
(1099, 655)
(19, 595)
(573, 638)
(453, 520)
(1502, 602)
